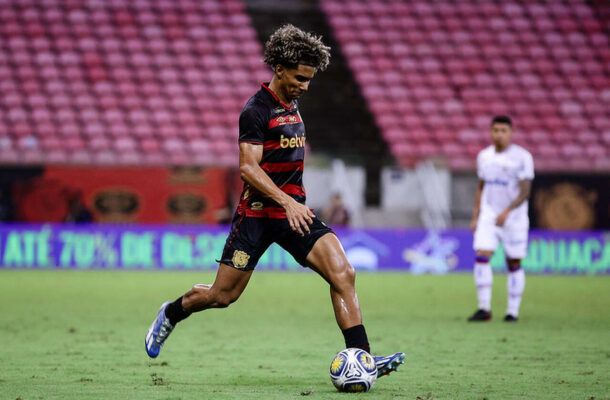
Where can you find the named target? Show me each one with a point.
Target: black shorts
(250, 237)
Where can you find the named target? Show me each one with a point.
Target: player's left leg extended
(515, 285)
(228, 286)
(328, 259)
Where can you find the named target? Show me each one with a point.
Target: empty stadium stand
(141, 82)
(158, 82)
(434, 73)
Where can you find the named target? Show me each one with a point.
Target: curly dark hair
(289, 46)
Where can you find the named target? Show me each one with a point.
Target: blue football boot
(385, 365)
(158, 332)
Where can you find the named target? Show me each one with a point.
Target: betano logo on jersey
(292, 142)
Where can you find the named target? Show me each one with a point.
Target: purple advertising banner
(196, 247)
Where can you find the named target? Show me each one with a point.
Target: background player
(505, 174)
(272, 206)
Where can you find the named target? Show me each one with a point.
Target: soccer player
(505, 174)
(272, 206)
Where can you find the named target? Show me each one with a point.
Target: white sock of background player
(483, 279)
(515, 285)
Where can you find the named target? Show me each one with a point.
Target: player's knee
(344, 276)
(485, 253)
(514, 264)
(225, 298)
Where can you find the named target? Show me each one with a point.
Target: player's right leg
(228, 286)
(328, 259)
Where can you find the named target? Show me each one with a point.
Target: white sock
(483, 280)
(515, 285)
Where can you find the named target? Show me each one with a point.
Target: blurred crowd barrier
(197, 195)
(190, 247)
(118, 194)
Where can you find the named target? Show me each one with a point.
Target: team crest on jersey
(240, 259)
(257, 206)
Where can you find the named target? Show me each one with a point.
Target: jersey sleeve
(480, 173)
(526, 172)
(252, 126)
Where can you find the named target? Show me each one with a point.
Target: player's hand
(501, 219)
(299, 217)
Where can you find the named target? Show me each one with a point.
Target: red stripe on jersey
(282, 167)
(271, 145)
(287, 107)
(284, 120)
(268, 212)
(293, 189)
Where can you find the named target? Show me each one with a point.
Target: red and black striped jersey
(278, 127)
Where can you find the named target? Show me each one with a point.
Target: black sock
(175, 313)
(356, 337)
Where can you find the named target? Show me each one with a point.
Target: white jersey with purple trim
(501, 172)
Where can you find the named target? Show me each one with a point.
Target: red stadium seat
(532, 75)
(104, 77)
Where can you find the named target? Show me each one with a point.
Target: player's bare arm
(525, 188)
(477, 205)
(298, 215)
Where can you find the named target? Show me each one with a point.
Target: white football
(353, 370)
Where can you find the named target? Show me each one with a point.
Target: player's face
(501, 135)
(295, 81)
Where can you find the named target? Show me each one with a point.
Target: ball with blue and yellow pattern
(353, 370)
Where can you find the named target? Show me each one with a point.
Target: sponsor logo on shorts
(240, 259)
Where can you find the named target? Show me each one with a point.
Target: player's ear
(279, 71)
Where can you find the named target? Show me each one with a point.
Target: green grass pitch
(80, 335)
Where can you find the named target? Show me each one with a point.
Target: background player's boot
(158, 332)
(510, 318)
(480, 315)
(385, 365)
